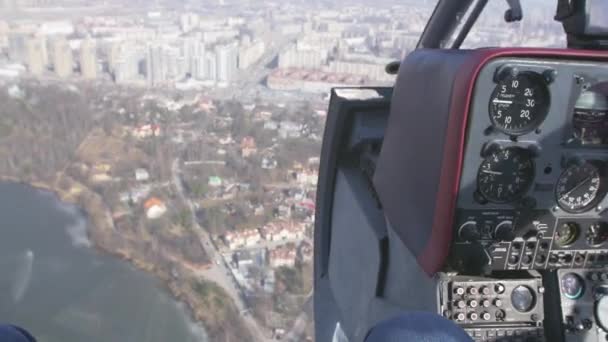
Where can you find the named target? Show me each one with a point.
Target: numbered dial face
(505, 175)
(579, 188)
(520, 103)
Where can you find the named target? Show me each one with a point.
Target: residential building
(283, 230)
(63, 59)
(290, 129)
(189, 22)
(227, 62)
(284, 256)
(193, 50)
(155, 208)
(146, 131)
(88, 59)
(300, 58)
(142, 175)
(250, 53)
(35, 55)
(17, 49)
(244, 238)
(126, 67)
(211, 66)
(156, 72)
(307, 177)
(248, 147)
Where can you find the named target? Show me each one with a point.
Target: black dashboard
(531, 210)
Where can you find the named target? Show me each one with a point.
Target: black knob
(513, 259)
(504, 231)
(527, 259)
(540, 259)
(553, 259)
(469, 231)
(565, 259)
(516, 246)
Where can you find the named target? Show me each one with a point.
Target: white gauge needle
(492, 172)
(502, 101)
(578, 186)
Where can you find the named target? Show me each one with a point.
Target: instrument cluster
(519, 104)
(535, 169)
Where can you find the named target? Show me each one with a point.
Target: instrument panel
(534, 180)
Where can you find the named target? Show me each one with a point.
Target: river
(54, 284)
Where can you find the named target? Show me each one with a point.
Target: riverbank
(178, 281)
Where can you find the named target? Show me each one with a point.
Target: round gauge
(601, 312)
(597, 234)
(572, 285)
(523, 299)
(590, 118)
(519, 103)
(505, 175)
(579, 188)
(566, 234)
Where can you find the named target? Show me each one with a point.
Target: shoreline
(164, 280)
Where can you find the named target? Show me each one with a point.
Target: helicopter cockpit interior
(475, 188)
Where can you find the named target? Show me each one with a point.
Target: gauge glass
(519, 103)
(579, 188)
(597, 234)
(590, 118)
(505, 175)
(572, 285)
(522, 298)
(566, 234)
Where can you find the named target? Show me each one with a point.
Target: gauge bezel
(576, 234)
(521, 151)
(542, 113)
(579, 279)
(533, 303)
(601, 192)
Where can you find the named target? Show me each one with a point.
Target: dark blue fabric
(11, 333)
(418, 327)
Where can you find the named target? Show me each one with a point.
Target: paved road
(219, 274)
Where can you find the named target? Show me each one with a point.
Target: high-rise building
(173, 63)
(35, 55)
(88, 59)
(200, 68)
(189, 21)
(211, 66)
(227, 62)
(126, 67)
(192, 49)
(296, 58)
(17, 50)
(249, 54)
(113, 51)
(63, 59)
(156, 73)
